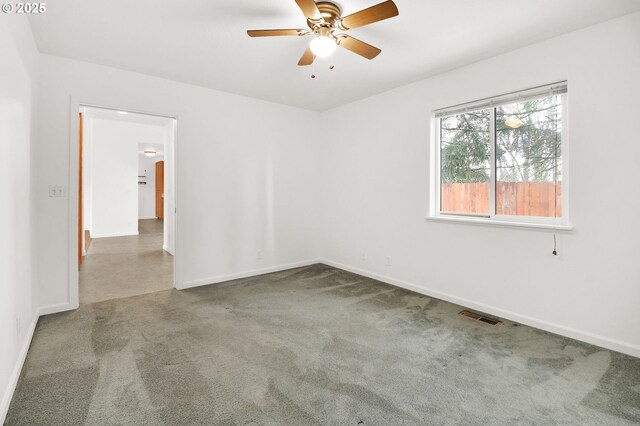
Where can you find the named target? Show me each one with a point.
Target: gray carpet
(314, 345)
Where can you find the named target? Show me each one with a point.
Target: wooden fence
(513, 198)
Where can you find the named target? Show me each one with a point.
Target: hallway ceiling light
(150, 153)
(123, 112)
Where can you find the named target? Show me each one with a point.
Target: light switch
(57, 191)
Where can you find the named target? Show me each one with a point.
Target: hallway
(126, 266)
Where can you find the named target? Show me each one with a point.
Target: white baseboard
(166, 248)
(96, 236)
(584, 336)
(54, 309)
(17, 369)
(147, 218)
(246, 274)
(22, 356)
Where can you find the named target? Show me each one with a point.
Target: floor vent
(479, 317)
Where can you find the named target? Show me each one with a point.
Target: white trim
(96, 236)
(175, 251)
(434, 169)
(584, 336)
(168, 250)
(22, 356)
(247, 274)
(54, 309)
(434, 209)
(558, 88)
(147, 218)
(17, 369)
(73, 276)
(133, 111)
(566, 158)
(492, 222)
(493, 169)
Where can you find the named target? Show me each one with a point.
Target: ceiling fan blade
(359, 47)
(310, 9)
(275, 33)
(307, 58)
(379, 12)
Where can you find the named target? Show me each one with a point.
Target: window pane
(528, 158)
(465, 169)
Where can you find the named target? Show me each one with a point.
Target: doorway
(126, 228)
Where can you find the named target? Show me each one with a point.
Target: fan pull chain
(313, 68)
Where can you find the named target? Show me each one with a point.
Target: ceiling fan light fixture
(324, 19)
(514, 122)
(323, 46)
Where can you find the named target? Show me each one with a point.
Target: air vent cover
(479, 317)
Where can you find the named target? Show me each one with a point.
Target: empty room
(299, 212)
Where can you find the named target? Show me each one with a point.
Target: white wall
(147, 193)
(18, 87)
(114, 177)
(112, 163)
(376, 191)
(246, 175)
(87, 168)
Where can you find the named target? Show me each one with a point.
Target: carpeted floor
(314, 345)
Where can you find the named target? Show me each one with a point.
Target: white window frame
(560, 223)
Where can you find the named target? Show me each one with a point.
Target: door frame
(74, 186)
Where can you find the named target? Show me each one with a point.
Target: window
(503, 159)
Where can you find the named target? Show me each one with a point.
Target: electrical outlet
(388, 261)
(363, 257)
(17, 326)
(259, 254)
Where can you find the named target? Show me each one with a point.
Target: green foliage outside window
(528, 143)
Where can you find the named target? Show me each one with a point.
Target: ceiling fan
(324, 18)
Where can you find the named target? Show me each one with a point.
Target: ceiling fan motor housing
(330, 12)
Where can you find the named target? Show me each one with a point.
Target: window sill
(508, 224)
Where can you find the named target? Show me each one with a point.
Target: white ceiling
(132, 117)
(129, 117)
(204, 42)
